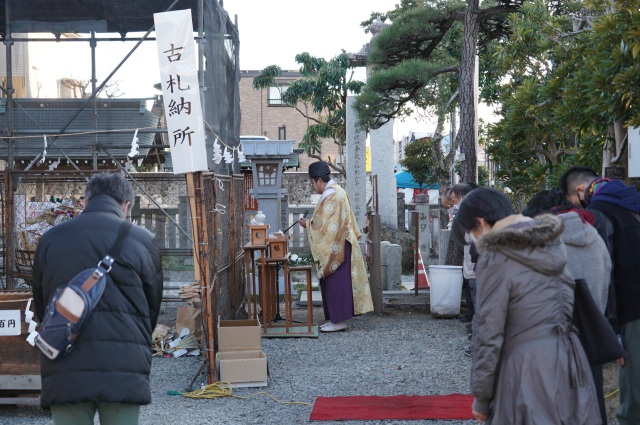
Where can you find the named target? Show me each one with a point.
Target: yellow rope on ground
(224, 389)
(612, 393)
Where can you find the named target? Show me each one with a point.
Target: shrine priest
(333, 237)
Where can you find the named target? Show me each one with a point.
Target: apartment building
(264, 114)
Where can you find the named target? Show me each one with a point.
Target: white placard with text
(180, 89)
(10, 324)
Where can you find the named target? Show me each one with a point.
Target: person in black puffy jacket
(108, 369)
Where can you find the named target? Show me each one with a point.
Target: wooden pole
(376, 263)
(416, 224)
(195, 192)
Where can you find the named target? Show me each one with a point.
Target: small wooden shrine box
(278, 247)
(258, 233)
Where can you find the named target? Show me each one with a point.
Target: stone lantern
(268, 159)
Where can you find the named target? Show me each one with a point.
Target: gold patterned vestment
(332, 224)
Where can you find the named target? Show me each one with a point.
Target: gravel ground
(403, 351)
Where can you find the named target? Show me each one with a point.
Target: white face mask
(482, 233)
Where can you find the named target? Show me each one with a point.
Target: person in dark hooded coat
(108, 369)
(621, 205)
(529, 367)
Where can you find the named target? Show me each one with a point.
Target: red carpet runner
(452, 406)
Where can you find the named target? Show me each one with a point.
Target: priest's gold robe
(332, 224)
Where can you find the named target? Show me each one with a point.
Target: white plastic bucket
(445, 290)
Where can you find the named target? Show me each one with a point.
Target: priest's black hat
(318, 169)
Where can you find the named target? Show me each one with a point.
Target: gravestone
(391, 265)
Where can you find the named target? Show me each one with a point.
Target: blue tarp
(404, 180)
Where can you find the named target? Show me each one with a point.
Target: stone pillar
(424, 242)
(401, 217)
(391, 266)
(270, 207)
(382, 165)
(356, 155)
(284, 212)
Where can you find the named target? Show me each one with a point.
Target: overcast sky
(271, 32)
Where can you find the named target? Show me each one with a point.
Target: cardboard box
(242, 368)
(189, 317)
(240, 359)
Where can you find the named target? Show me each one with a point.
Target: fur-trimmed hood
(533, 242)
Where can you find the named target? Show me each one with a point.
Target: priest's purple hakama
(337, 292)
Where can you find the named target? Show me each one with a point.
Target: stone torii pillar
(356, 151)
(382, 159)
(382, 165)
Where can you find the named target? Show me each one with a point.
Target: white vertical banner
(179, 76)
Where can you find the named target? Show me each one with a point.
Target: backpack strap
(104, 266)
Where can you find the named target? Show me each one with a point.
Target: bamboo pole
(195, 193)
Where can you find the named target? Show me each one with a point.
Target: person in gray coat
(528, 367)
(109, 367)
(587, 257)
(587, 254)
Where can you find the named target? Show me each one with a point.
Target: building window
(282, 133)
(267, 174)
(19, 87)
(275, 95)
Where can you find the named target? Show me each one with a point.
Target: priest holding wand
(333, 238)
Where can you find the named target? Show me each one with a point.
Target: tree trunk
(468, 169)
(455, 253)
(613, 154)
(609, 151)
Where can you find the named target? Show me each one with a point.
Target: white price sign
(10, 324)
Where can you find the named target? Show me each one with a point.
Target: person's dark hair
(318, 168)
(543, 201)
(111, 184)
(575, 176)
(462, 189)
(483, 202)
(324, 178)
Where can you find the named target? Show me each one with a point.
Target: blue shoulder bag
(71, 305)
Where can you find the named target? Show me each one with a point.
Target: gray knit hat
(318, 169)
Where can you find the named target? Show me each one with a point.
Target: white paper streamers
(217, 152)
(44, 152)
(241, 157)
(228, 156)
(28, 318)
(134, 145)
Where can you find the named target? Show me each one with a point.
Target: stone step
(390, 297)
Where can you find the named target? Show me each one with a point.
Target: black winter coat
(111, 359)
(626, 268)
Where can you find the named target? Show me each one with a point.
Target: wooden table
(262, 276)
(253, 282)
(271, 300)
